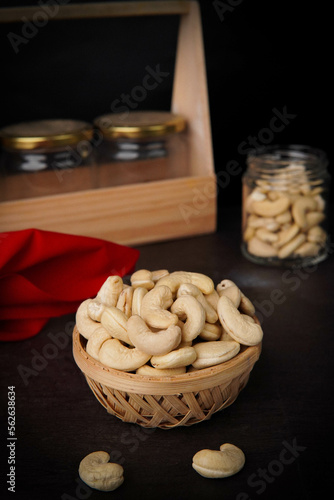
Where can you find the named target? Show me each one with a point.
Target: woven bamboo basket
(166, 402)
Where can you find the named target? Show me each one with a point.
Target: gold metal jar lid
(140, 124)
(44, 134)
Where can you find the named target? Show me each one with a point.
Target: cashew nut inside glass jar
(285, 206)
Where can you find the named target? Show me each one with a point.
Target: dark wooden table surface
(282, 420)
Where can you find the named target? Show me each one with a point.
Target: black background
(260, 56)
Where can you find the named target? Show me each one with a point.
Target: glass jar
(41, 158)
(140, 146)
(285, 206)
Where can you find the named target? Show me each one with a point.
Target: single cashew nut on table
(241, 330)
(97, 472)
(188, 306)
(219, 464)
(154, 308)
(116, 355)
(153, 343)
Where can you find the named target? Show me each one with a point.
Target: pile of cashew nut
(165, 324)
(282, 219)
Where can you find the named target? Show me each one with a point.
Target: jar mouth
(287, 154)
(45, 134)
(140, 124)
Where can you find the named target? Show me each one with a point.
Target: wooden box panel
(141, 212)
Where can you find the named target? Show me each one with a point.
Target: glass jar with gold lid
(285, 216)
(45, 157)
(140, 146)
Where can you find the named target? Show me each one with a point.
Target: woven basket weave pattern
(128, 396)
(168, 411)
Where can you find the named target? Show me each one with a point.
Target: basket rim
(143, 384)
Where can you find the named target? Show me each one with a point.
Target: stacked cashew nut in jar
(283, 216)
(165, 324)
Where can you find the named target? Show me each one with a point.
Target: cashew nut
(284, 218)
(154, 307)
(211, 331)
(149, 371)
(188, 306)
(317, 235)
(267, 236)
(95, 309)
(214, 352)
(313, 219)
(212, 298)
(97, 472)
(229, 289)
(142, 278)
(246, 306)
(124, 302)
(159, 273)
(267, 208)
(287, 235)
(190, 289)
(290, 247)
(260, 248)
(180, 357)
(137, 299)
(249, 233)
(110, 290)
(308, 249)
(175, 279)
(153, 343)
(218, 464)
(96, 340)
(84, 322)
(115, 322)
(300, 207)
(267, 222)
(116, 355)
(236, 325)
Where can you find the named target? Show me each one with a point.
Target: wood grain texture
(141, 212)
(131, 214)
(99, 10)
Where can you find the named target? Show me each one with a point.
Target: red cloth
(44, 274)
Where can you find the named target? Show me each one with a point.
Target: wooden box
(142, 212)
